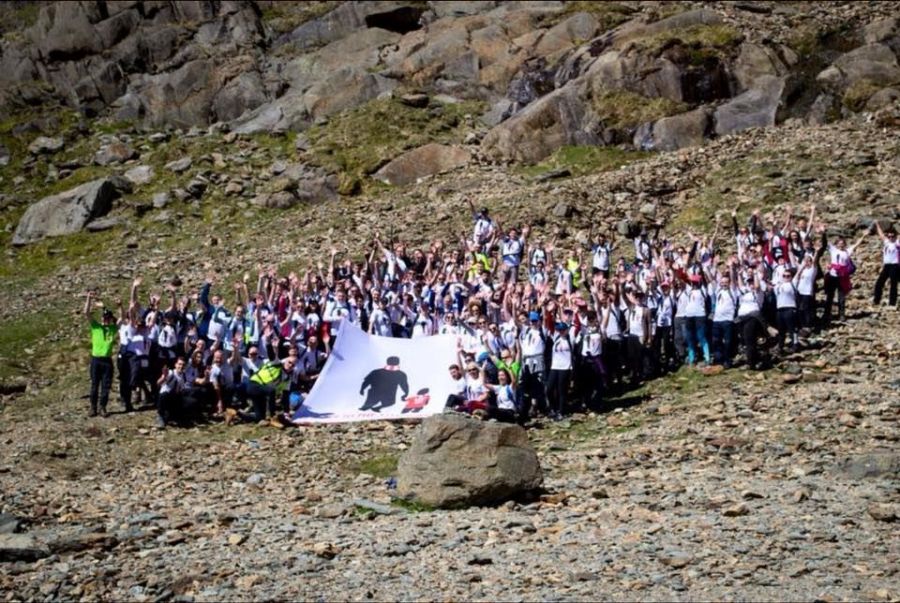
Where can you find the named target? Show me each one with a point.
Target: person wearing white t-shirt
(890, 266)
(805, 282)
(837, 277)
(560, 370)
(786, 310)
(726, 305)
(505, 394)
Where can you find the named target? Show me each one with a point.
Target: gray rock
(424, 161)
(21, 547)
(675, 132)
(457, 461)
(196, 187)
(115, 152)
(415, 100)
(160, 200)
(562, 210)
(179, 165)
(103, 224)
(142, 174)
(871, 465)
(4, 156)
(10, 524)
(755, 108)
(67, 212)
(45, 145)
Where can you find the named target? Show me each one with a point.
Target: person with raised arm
(103, 340)
(890, 266)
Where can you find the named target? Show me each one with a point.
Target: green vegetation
(608, 14)
(622, 109)
(756, 176)
(359, 141)
(702, 41)
(20, 339)
(283, 17)
(16, 17)
(581, 160)
(411, 506)
(858, 93)
(379, 465)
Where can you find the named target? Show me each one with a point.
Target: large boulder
(455, 461)
(675, 132)
(424, 161)
(68, 212)
(755, 108)
(558, 119)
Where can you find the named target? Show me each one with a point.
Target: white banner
(369, 377)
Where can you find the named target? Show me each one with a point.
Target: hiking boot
(231, 416)
(277, 424)
(104, 413)
(93, 412)
(160, 422)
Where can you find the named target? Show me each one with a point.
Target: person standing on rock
(103, 339)
(890, 266)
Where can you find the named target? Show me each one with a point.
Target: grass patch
(581, 160)
(755, 177)
(608, 14)
(858, 93)
(16, 17)
(359, 141)
(21, 339)
(701, 41)
(283, 17)
(411, 506)
(380, 465)
(624, 110)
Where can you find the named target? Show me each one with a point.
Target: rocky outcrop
(70, 211)
(455, 461)
(427, 160)
(755, 108)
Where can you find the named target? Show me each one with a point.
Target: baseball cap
(532, 316)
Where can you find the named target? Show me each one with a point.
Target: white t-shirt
(805, 280)
(785, 295)
(695, 306)
(726, 300)
(840, 257)
(750, 301)
(601, 257)
(890, 252)
(636, 322)
(532, 342)
(174, 383)
(561, 359)
(506, 397)
(222, 374)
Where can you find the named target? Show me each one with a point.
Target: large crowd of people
(543, 329)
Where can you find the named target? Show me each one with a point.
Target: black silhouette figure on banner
(416, 403)
(383, 384)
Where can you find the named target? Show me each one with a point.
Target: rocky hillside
(182, 138)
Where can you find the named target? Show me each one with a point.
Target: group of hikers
(542, 330)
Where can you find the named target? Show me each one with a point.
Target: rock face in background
(546, 68)
(456, 461)
(425, 161)
(68, 212)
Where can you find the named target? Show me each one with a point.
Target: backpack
(851, 267)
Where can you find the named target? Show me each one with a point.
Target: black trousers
(613, 353)
(750, 329)
(124, 366)
(786, 321)
(832, 286)
(664, 347)
(263, 398)
(558, 389)
(806, 311)
(888, 272)
(636, 356)
(722, 335)
(532, 391)
(101, 382)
